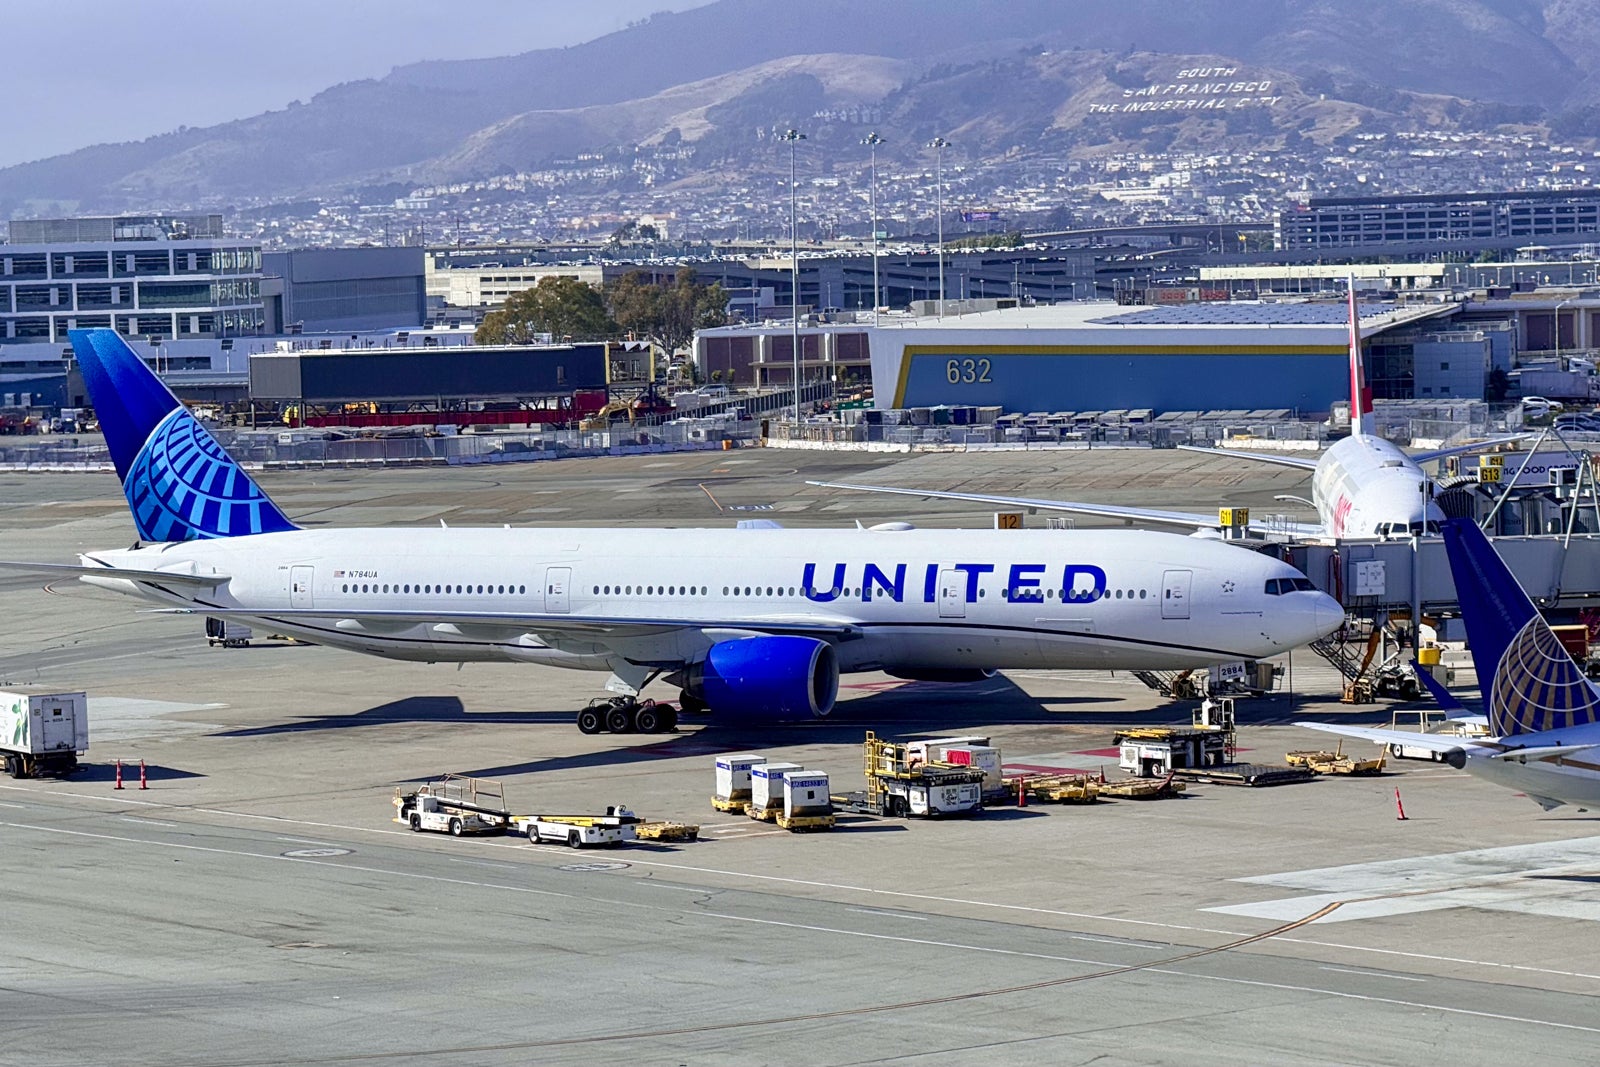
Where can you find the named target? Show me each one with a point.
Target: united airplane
(1543, 714)
(755, 623)
(1361, 486)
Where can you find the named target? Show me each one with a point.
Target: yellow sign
(1489, 474)
(1233, 516)
(1008, 520)
(1492, 460)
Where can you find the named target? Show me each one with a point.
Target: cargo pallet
(1322, 761)
(1141, 788)
(1055, 788)
(763, 814)
(668, 831)
(801, 823)
(733, 805)
(1251, 774)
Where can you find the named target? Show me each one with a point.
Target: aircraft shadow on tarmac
(440, 709)
(107, 772)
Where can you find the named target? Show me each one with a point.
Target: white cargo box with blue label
(806, 793)
(43, 733)
(766, 785)
(733, 774)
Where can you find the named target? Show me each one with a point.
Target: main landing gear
(627, 715)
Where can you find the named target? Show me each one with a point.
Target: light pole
(793, 136)
(1556, 328)
(939, 144)
(872, 141)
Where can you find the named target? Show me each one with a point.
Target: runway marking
(1547, 878)
(524, 847)
(888, 914)
(142, 821)
(702, 891)
(1376, 974)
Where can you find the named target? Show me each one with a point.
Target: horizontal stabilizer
(1540, 752)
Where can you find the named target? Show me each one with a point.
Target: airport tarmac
(256, 905)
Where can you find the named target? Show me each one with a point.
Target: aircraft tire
(648, 720)
(669, 718)
(590, 722)
(620, 720)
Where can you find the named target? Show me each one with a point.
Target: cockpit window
(1280, 586)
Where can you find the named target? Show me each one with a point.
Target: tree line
(571, 310)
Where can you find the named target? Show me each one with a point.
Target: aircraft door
(1175, 594)
(301, 579)
(952, 594)
(557, 581)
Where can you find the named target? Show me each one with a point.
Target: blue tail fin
(1530, 683)
(180, 483)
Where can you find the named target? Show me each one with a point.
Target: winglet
(1529, 681)
(180, 483)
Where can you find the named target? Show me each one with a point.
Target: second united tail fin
(180, 483)
(1361, 417)
(1529, 681)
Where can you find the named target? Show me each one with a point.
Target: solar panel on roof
(1228, 314)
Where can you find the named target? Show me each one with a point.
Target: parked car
(1537, 407)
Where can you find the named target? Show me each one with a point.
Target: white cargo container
(43, 733)
(806, 793)
(766, 785)
(983, 758)
(733, 774)
(932, 750)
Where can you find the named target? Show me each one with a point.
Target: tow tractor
(616, 827)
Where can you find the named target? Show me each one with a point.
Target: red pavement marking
(1107, 753)
(1033, 768)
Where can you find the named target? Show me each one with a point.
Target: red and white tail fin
(1361, 420)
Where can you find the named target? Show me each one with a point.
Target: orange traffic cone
(1399, 808)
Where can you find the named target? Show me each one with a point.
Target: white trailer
(43, 733)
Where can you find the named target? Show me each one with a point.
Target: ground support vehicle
(227, 633)
(42, 733)
(454, 804)
(427, 813)
(627, 715)
(617, 826)
(900, 785)
(1430, 721)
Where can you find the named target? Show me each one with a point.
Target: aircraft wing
(1456, 450)
(207, 581)
(1188, 519)
(1282, 460)
(640, 639)
(1432, 742)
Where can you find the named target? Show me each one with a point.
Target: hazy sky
(80, 72)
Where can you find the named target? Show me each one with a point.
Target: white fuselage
(1573, 779)
(916, 598)
(1364, 486)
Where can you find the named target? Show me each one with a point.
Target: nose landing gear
(627, 715)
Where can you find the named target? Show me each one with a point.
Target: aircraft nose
(1327, 616)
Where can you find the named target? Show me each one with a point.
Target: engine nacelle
(940, 674)
(771, 679)
(1456, 758)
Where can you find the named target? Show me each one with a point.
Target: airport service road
(182, 944)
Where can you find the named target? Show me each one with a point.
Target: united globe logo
(183, 486)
